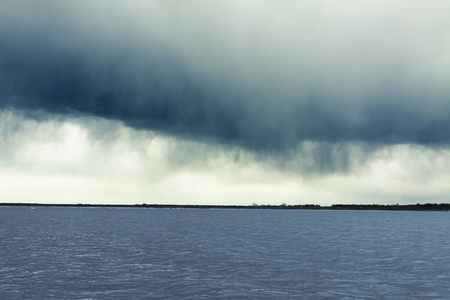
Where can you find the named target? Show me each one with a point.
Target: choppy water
(107, 253)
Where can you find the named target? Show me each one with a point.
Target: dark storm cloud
(258, 75)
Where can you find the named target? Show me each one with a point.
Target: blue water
(111, 253)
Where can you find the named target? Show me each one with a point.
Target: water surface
(138, 253)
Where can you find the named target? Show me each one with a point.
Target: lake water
(112, 253)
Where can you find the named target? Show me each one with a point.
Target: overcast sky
(225, 102)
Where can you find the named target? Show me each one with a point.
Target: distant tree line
(406, 207)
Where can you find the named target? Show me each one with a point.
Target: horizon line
(396, 207)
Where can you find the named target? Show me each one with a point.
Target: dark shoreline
(407, 207)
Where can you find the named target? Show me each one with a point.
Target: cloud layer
(261, 74)
(92, 160)
(260, 101)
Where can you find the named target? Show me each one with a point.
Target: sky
(224, 102)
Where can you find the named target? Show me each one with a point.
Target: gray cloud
(262, 75)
